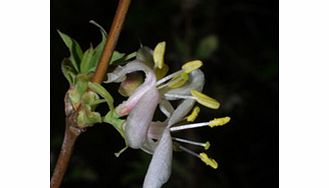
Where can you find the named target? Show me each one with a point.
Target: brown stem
(111, 40)
(71, 134)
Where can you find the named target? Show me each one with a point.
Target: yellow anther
(191, 66)
(158, 54)
(207, 145)
(194, 114)
(179, 80)
(205, 100)
(219, 121)
(209, 161)
(160, 73)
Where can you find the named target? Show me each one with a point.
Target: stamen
(191, 66)
(178, 80)
(205, 100)
(170, 76)
(194, 114)
(158, 54)
(160, 73)
(204, 157)
(188, 151)
(205, 145)
(213, 123)
(219, 121)
(189, 126)
(178, 96)
(209, 161)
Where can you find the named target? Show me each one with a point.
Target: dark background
(238, 42)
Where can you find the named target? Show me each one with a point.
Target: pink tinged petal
(156, 129)
(149, 82)
(181, 111)
(196, 81)
(159, 169)
(140, 118)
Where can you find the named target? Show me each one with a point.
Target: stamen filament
(204, 157)
(170, 76)
(175, 82)
(189, 126)
(205, 145)
(189, 151)
(162, 86)
(179, 96)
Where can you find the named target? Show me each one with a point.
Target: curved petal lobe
(140, 118)
(160, 167)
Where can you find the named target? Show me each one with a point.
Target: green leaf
(99, 48)
(74, 48)
(86, 63)
(99, 89)
(130, 56)
(207, 46)
(104, 34)
(68, 71)
(116, 57)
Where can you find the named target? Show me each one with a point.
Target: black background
(242, 74)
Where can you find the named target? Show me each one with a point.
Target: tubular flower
(140, 105)
(184, 86)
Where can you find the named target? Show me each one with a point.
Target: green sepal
(86, 63)
(74, 48)
(87, 118)
(90, 98)
(68, 71)
(79, 89)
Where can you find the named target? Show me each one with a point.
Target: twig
(72, 131)
(71, 134)
(111, 40)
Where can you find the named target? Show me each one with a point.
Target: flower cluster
(154, 89)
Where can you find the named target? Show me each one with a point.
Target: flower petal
(156, 129)
(196, 82)
(140, 118)
(166, 107)
(149, 82)
(181, 111)
(160, 167)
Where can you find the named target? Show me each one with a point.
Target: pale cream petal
(140, 118)
(159, 169)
